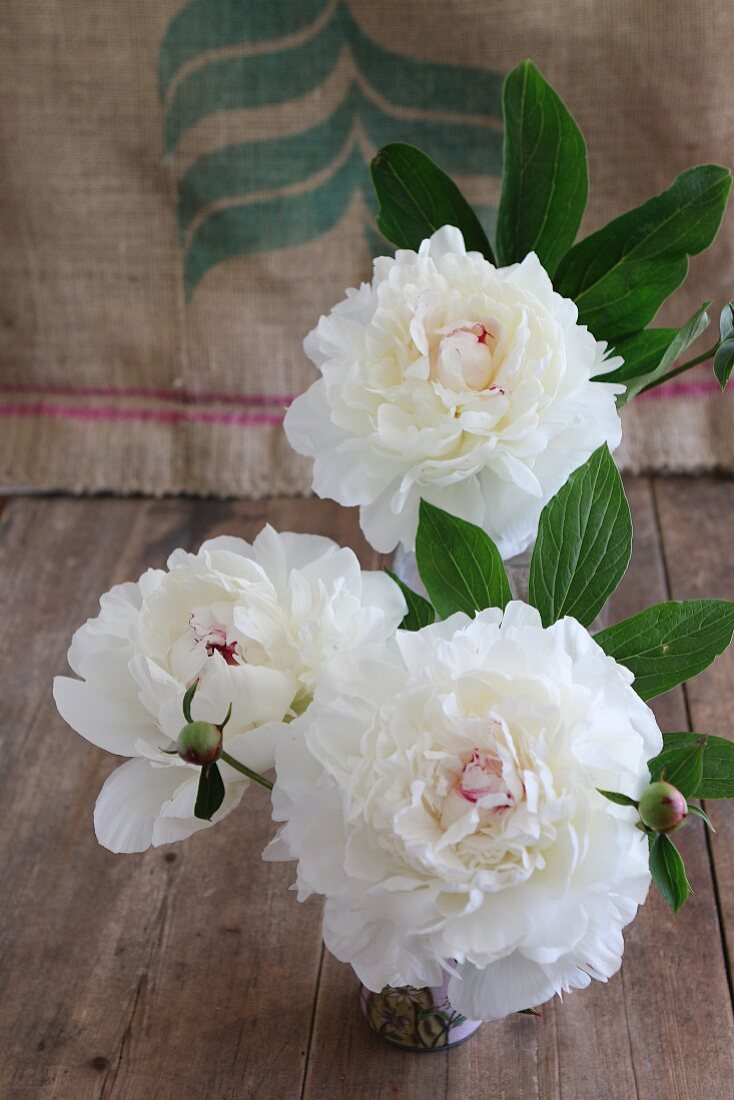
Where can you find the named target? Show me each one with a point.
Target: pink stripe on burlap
(182, 396)
(157, 416)
(682, 389)
(201, 416)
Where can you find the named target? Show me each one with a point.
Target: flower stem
(683, 367)
(245, 770)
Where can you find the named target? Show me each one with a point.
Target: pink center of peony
(464, 358)
(483, 775)
(215, 640)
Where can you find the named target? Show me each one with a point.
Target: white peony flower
(449, 379)
(441, 792)
(255, 623)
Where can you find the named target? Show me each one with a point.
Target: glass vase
(405, 566)
(518, 571)
(418, 1020)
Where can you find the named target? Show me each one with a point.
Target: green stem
(245, 770)
(683, 367)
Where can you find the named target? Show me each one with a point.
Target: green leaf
(545, 178)
(420, 613)
(459, 564)
(684, 769)
(641, 353)
(668, 872)
(621, 275)
(703, 815)
(417, 198)
(618, 799)
(670, 642)
(636, 379)
(188, 699)
(584, 543)
(717, 780)
(209, 793)
(724, 356)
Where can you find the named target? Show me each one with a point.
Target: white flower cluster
(438, 788)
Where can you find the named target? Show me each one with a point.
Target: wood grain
(191, 973)
(698, 518)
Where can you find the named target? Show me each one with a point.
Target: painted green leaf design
(670, 642)
(420, 613)
(640, 371)
(459, 564)
(717, 776)
(668, 872)
(221, 56)
(417, 198)
(282, 221)
(545, 180)
(621, 275)
(584, 543)
(206, 25)
(724, 357)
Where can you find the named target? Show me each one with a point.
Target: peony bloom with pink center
(448, 379)
(255, 624)
(441, 793)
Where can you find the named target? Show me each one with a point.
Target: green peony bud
(200, 743)
(662, 807)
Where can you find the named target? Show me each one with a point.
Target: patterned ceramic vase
(419, 1020)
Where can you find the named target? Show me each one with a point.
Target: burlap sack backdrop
(185, 190)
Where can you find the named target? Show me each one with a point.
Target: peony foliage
(618, 276)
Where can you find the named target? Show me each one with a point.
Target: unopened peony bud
(662, 807)
(200, 743)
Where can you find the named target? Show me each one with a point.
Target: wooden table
(191, 973)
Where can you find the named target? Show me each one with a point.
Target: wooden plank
(646, 1034)
(187, 972)
(195, 977)
(698, 523)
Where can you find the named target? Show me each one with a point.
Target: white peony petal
(445, 241)
(510, 985)
(110, 724)
(130, 803)
(143, 804)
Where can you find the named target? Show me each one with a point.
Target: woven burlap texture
(185, 191)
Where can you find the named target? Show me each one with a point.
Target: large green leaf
(419, 613)
(684, 769)
(670, 642)
(668, 871)
(724, 357)
(417, 198)
(641, 353)
(643, 368)
(459, 564)
(545, 178)
(584, 543)
(621, 275)
(717, 778)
